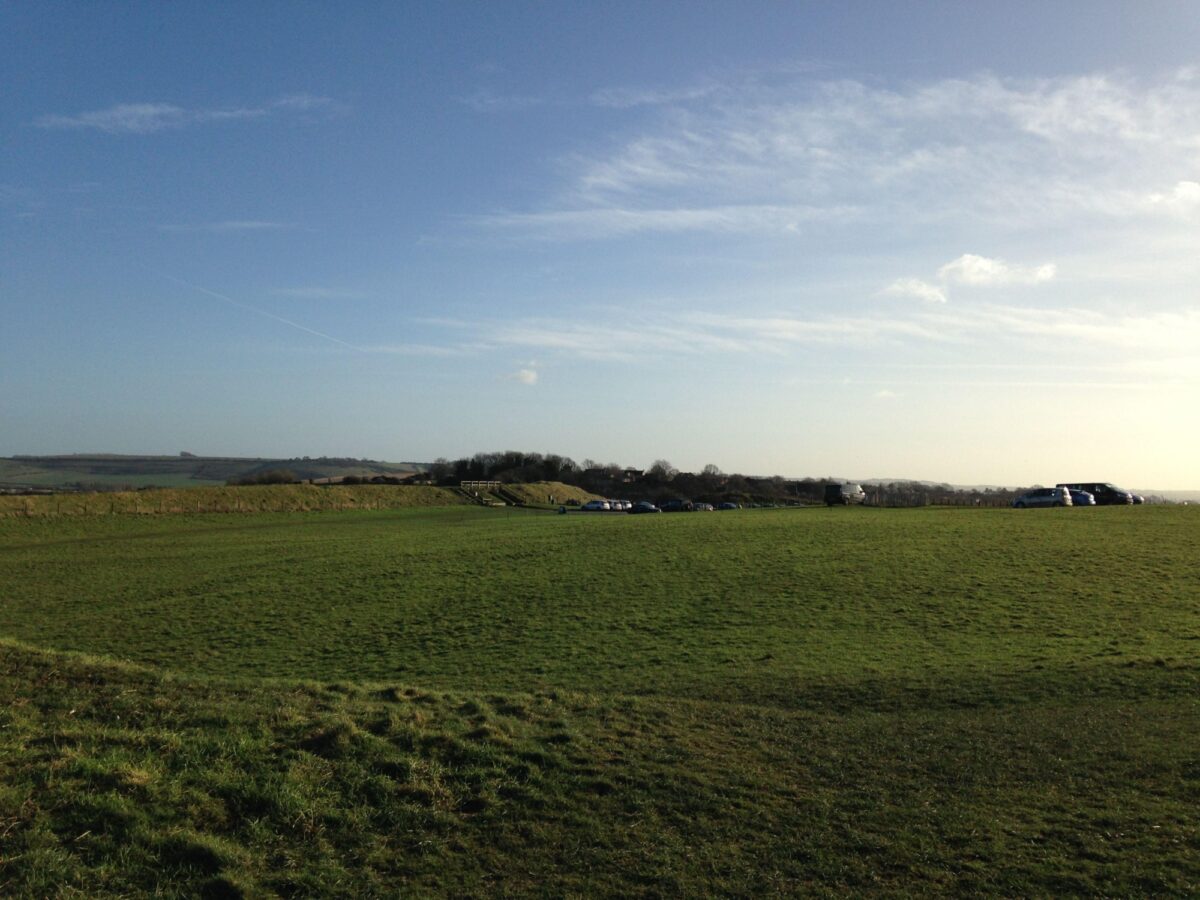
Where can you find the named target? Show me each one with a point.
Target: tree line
(663, 481)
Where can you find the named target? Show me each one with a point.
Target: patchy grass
(478, 702)
(117, 780)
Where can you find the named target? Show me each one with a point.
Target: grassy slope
(912, 715)
(538, 493)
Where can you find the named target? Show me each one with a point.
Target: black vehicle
(643, 506)
(844, 494)
(1106, 494)
(677, 505)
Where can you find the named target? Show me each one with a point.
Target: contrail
(261, 312)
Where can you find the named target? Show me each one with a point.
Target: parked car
(1081, 498)
(644, 506)
(702, 507)
(844, 494)
(596, 506)
(728, 505)
(1106, 494)
(677, 505)
(1138, 499)
(1055, 496)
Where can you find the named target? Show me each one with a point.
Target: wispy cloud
(314, 292)
(626, 97)
(230, 226)
(612, 221)
(403, 349)
(1127, 341)
(487, 101)
(972, 150)
(147, 118)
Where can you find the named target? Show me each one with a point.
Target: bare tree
(662, 471)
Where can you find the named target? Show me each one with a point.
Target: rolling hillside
(107, 471)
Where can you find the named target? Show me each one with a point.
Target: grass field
(473, 701)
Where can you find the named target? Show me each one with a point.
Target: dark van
(1106, 494)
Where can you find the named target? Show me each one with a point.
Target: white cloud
(981, 271)
(885, 394)
(525, 376)
(146, 118)
(915, 287)
(1183, 199)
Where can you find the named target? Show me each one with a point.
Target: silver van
(844, 494)
(1055, 496)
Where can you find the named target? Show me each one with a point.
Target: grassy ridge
(120, 780)
(224, 499)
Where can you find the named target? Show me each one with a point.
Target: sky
(946, 241)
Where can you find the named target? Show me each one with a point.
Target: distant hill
(109, 470)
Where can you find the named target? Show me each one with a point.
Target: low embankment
(272, 498)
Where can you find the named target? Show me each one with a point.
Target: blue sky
(931, 240)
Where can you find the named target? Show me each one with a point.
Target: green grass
(472, 701)
(770, 606)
